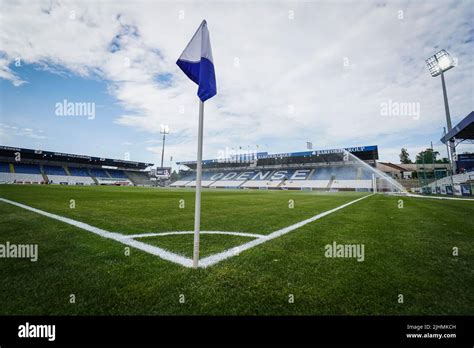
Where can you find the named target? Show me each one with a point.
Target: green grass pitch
(408, 251)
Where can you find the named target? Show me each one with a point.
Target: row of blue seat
(78, 171)
(119, 174)
(57, 170)
(99, 173)
(341, 173)
(54, 170)
(4, 167)
(26, 168)
(323, 173)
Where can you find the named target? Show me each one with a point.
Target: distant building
(405, 171)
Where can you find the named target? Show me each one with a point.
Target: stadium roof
(392, 165)
(464, 130)
(9, 152)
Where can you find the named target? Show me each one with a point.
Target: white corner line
(213, 259)
(173, 233)
(162, 253)
(179, 259)
(437, 197)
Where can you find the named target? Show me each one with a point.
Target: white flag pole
(197, 209)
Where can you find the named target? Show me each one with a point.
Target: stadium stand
(21, 178)
(186, 178)
(59, 175)
(54, 170)
(139, 178)
(46, 167)
(26, 168)
(4, 167)
(319, 170)
(104, 177)
(99, 173)
(20, 173)
(459, 184)
(78, 171)
(56, 175)
(119, 174)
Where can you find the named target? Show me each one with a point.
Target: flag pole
(197, 209)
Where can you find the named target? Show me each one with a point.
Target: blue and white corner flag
(197, 63)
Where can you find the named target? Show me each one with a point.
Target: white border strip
(437, 197)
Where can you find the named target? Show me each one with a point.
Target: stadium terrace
(27, 166)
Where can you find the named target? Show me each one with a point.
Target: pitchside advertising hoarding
(319, 152)
(456, 190)
(466, 190)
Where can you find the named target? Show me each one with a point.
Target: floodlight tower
(438, 64)
(164, 129)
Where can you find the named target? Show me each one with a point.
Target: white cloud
(290, 84)
(7, 131)
(7, 74)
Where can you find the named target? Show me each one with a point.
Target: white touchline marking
(158, 234)
(179, 259)
(164, 254)
(436, 197)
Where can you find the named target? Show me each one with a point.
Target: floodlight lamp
(164, 129)
(439, 63)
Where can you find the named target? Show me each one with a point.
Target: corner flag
(197, 63)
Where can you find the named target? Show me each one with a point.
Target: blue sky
(32, 106)
(287, 73)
